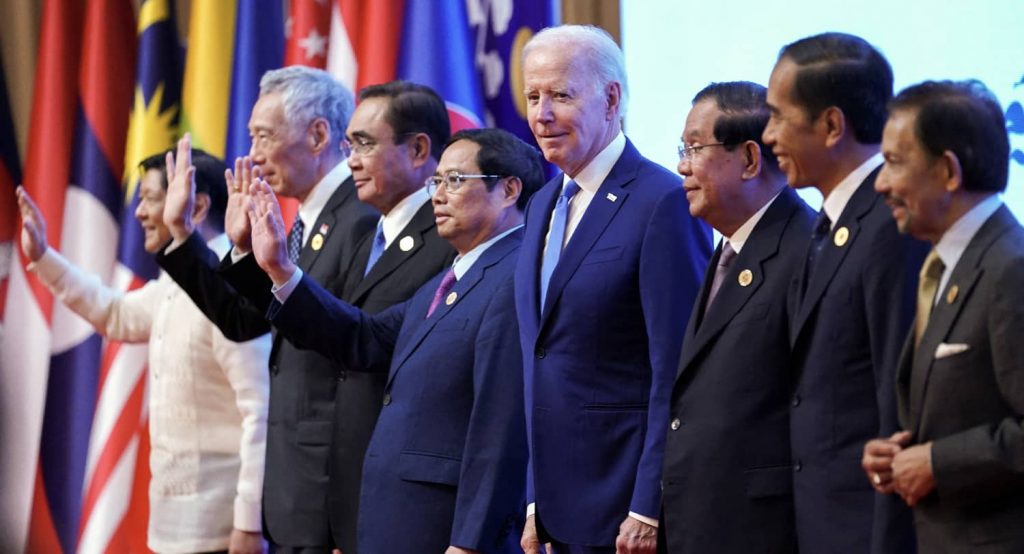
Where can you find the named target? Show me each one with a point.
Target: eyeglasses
(453, 181)
(690, 152)
(365, 147)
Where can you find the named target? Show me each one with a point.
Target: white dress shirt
(840, 196)
(207, 404)
(739, 238)
(954, 241)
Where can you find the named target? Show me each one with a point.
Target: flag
(115, 494)
(436, 50)
(10, 177)
(501, 31)
(363, 48)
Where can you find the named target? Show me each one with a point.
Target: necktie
(927, 286)
(556, 236)
(447, 282)
(295, 240)
(377, 248)
(724, 263)
(822, 227)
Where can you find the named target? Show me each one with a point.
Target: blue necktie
(295, 240)
(377, 249)
(556, 237)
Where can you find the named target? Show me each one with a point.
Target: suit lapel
(533, 243)
(324, 224)
(762, 245)
(408, 242)
(832, 255)
(945, 313)
(690, 347)
(599, 214)
(462, 288)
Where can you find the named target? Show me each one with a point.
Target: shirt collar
(739, 238)
(955, 240)
(402, 214)
(314, 203)
(462, 264)
(840, 196)
(591, 176)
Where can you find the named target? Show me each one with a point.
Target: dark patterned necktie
(295, 240)
(447, 282)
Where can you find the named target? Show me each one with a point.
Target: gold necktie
(927, 287)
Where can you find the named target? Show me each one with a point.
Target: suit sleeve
(980, 462)
(313, 319)
(126, 317)
(194, 267)
(490, 495)
(672, 260)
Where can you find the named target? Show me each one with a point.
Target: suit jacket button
(796, 400)
(387, 398)
(797, 466)
(341, 376)
(540, 352)
(676, 424)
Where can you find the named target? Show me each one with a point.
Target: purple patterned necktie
(724, 263)
(447, 282)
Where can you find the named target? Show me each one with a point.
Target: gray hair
(308, 93)
(597, 48)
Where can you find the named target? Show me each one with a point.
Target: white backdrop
(675, 47)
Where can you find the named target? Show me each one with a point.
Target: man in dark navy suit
(610, 266)
(853, 299)
(728, 477)
(445, 469)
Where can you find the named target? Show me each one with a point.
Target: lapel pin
(406, 243)
(451, 298)
(317, 242)
(842, 235)
(323, 228)
(612, 197)
(951, 295)
(745, 278)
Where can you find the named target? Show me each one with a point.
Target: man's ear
(834, 121)
(419, 144)
(201, 208)
(752, 160)
(952, 172)
(513, 187)
(319, 135)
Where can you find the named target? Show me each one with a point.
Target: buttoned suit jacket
(302, 383)
(971, 403)
(413, 258)
(599, 359)
(728, 475)
(846, 335)
(447, 460)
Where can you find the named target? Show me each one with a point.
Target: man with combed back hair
(728, 478)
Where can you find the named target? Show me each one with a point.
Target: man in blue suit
(445, 468)
(728, 476)
(610, 266)
(853, 298)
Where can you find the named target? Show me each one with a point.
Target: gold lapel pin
(318, 241)
(951, 295)
(406, 243)
(745, 278)
(842, 235)
(452, 296)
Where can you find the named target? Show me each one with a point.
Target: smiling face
(471, 215)
(915, 184)
(384, 174)
(571, 117)
(281, 149)
(713, 176)
(798, 141)
(150, 211)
